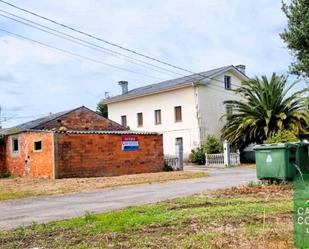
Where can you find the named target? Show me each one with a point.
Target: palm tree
(266, 108)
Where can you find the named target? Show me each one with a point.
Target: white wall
(202, 108)
(187, 129)
(211, 98)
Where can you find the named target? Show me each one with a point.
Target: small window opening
(178, 114)
(227, 82)
(229, 110)
(157, 117)
(140, 119)
(124, 120)
(37, 145)
(15, 145)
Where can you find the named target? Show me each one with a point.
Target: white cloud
(14, 52)
(197, 35)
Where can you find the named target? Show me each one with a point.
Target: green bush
(5, 174)
(198, 156)
(212, 145)
(282, 136)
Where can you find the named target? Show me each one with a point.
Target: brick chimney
(124, 86)
(241, 68)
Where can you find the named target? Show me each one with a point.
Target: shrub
(167, 167)
(5, 174)
(212, 145)
(282, 136)
(198, 156)
(89, 216)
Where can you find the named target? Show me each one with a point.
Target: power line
(84, 42)
(93, 47)
(103, 40)
(88, 58)
(73, 54)
(84, 57)
(95, 37)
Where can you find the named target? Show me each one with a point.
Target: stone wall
(2, 158)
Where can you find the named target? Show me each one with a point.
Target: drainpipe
(198, 115)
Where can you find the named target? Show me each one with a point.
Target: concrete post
(226, 152)
(179, 155)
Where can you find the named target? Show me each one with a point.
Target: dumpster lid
(274, 146)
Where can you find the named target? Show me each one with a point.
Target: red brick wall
(82, 119)
(39, 163)
(2, 158)
(83, 155)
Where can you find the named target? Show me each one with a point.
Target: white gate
(218, 159)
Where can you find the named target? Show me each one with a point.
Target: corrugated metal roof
(127, 132)
(171, 84)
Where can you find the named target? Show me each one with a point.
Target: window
(227, 82)
(139, 119)
(15, 145)
(179, 140)
(229, 110)
(157, 117)
(37, 145)
(178, 114)
(124, 120)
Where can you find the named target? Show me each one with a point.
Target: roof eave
(189, 84)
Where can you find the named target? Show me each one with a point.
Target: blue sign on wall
(130, 142)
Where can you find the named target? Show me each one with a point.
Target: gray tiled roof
(169, 84)
(34, 123)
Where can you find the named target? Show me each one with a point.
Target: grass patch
(16, 188)
(11, 194)
(215, 220)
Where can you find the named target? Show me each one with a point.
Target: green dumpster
(275, 161)
(302, 157)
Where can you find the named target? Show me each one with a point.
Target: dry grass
(248, 165)
(14, 188)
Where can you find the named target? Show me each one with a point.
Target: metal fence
(218, 159)
(172, 162)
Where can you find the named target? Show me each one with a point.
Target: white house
(184, 109)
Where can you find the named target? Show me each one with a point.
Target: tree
(268, 107)
(102, 109)
(297, 35)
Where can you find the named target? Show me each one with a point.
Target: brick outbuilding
(78, 143)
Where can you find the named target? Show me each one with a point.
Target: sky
(197, 35)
